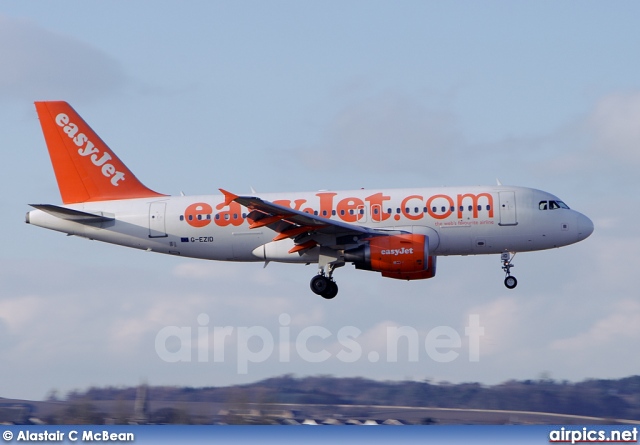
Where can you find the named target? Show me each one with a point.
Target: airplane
(397, 232)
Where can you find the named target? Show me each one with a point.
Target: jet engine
(404, 257)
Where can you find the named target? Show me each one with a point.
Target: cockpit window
(552, 205)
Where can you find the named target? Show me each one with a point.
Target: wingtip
(228, 196)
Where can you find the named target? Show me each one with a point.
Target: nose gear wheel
(509, 281)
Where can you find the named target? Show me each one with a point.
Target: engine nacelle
(404, 257)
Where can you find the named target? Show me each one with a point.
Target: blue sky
(287, 96)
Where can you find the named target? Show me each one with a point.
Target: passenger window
(543, 205)
(235, 216)
(417, 210)
(209, 217)
(324, 213)
(398, 210)
(434, 209)
(426, 210)
(479, 207)
(333, 212)
(461, 208)
(342, 212)
(181, 217)
(453, 209)
(375, 211)
(488, 207)
(217, 216)
(470, 208)
(443, 209)
(190, 217)
(406, 209)
(389, 211)
(350, 211)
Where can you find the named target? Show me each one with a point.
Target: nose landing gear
(510, 281)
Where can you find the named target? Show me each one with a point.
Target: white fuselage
(458, 220)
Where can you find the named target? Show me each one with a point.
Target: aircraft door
(508, 209)
(157, 228)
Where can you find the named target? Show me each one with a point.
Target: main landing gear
(510, 281)
(323, 284)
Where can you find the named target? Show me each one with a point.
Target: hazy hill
(598, 398)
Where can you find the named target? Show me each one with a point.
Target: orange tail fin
(86, 169)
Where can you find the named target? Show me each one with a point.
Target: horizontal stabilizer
(72, 215)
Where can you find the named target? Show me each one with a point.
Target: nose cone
(585, 227)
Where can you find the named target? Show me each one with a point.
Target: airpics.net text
(313, 344)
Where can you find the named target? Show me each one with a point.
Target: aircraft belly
(245, 241)
(479, 240)
(456, 240)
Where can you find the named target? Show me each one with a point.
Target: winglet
(228, 197)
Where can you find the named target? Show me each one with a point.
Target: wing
(306, 229)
